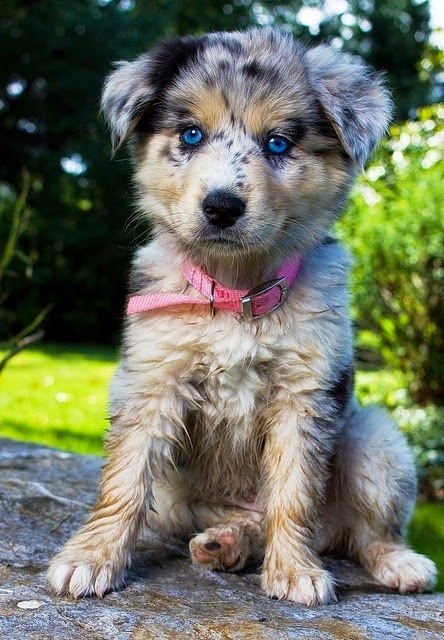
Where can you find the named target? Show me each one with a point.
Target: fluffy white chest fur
(225, 374)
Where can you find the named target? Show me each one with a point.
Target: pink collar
(250, 304)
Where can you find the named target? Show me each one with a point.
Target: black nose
(223, 209)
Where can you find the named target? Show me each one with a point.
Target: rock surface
(45, 495)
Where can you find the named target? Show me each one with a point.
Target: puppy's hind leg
(231, 537)
(377, 487)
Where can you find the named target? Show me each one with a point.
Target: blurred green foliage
(395, 228)
(14, 221)
(424, 428)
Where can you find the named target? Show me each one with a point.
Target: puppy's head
(245, 142)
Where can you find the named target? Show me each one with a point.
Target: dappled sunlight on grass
(57, 395)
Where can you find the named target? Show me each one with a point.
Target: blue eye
(277, 145)
(192, 136)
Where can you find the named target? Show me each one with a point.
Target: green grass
(57, 395)
(426, 535)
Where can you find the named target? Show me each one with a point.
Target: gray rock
(45, 495)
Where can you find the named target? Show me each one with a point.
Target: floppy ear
(135, 86)
(354, 99)
(126, 95)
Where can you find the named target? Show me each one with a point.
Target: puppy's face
(245, 142)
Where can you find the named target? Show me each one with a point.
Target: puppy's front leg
(94, 560)
(296, 458)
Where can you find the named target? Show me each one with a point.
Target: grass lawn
(426, 535)
(57, 395)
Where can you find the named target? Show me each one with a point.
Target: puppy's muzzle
(222, 209)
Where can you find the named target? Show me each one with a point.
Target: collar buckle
(246, 301)
(212, 309)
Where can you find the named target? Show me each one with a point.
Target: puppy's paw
(223, 548)
(309, 586)
(84, 574)
(405, 570)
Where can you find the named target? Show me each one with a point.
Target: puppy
(232, 410)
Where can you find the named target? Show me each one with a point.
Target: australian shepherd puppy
(233, 422)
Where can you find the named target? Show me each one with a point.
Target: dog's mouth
(224, 240)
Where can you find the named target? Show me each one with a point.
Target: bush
(394, 228)
(423, 428)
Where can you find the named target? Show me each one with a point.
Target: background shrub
(394, 227)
